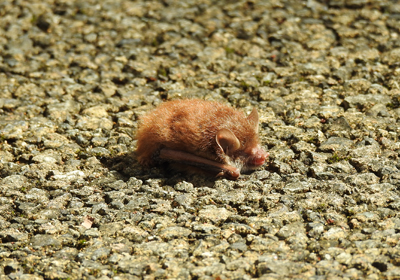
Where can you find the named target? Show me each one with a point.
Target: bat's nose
(258, 158)
(258, 161)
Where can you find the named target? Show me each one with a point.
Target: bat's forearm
(220, 169)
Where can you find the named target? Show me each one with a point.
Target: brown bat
(197, 135)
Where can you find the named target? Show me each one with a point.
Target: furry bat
(196, 135)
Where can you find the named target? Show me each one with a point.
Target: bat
(200, 136)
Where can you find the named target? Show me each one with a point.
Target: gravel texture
(75, 77)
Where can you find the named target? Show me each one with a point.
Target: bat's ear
(253, 119)
(227, 141)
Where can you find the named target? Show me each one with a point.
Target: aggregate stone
(184, 200)
(134, 234)
(174, 232)
(14, 131)
(93, 123)
(365, 101)
(336, 144)
(215, 214)
(334, 233)
(60, 111)
(43, 240)
(206, 228)
(184, 187)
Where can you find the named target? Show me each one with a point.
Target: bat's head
(247, 153)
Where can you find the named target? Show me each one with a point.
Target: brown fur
(191, 126)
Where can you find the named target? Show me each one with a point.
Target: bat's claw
(232, 174)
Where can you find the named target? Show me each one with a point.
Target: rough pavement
(75, 77)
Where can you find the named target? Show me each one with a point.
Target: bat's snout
(258, 157)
